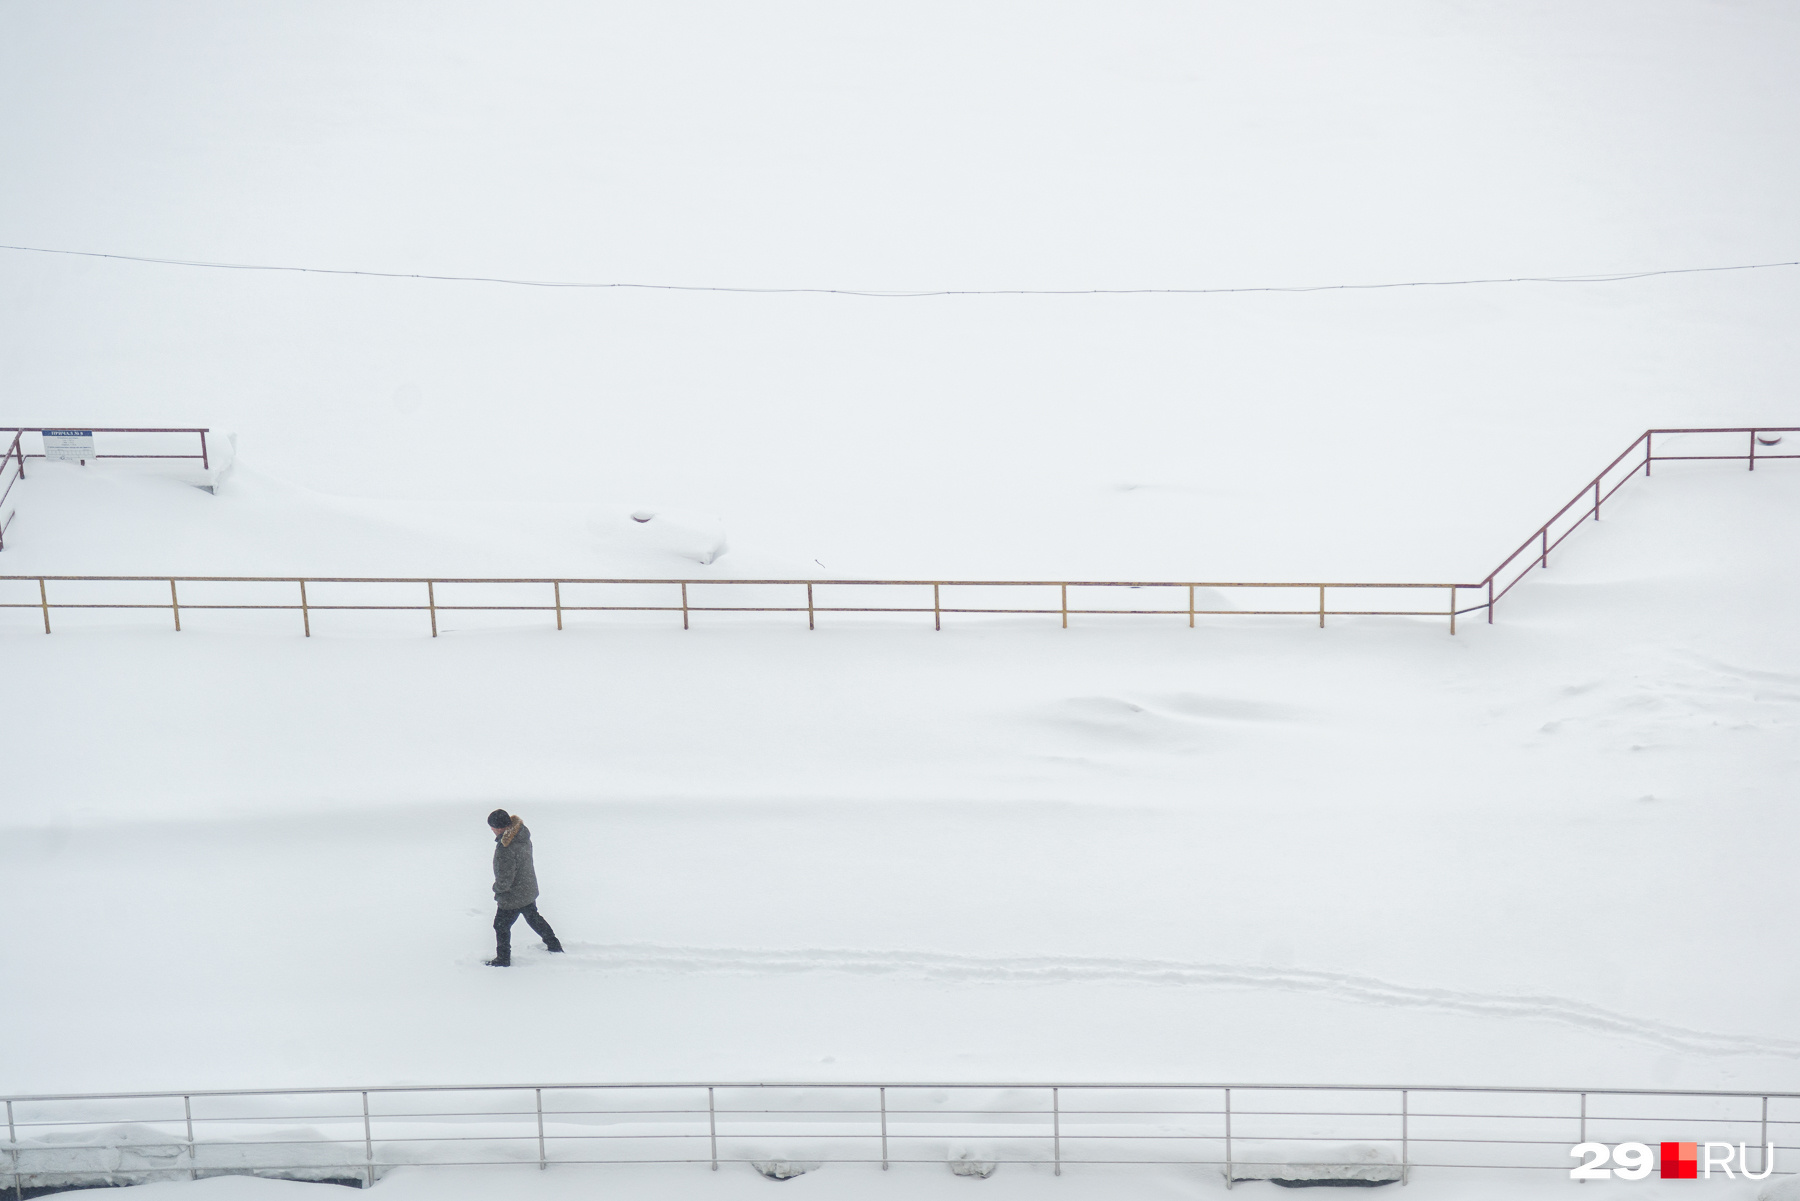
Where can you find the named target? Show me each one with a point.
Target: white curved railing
(1243, 1131)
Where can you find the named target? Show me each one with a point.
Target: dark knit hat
(499, 819)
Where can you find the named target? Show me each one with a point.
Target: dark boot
(554, 946)
(503, 923)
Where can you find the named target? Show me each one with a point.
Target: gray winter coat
(515, 879)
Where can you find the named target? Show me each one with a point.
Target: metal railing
(12, 463)
(18, 431)
(12, 470)
(689, 597)
(1609, 481)
(1242, 1131)
(563, 598)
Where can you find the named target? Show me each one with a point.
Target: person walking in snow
(515, 886)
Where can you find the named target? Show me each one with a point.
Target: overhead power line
(1598, 278)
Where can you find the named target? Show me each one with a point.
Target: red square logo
(1680, 1161)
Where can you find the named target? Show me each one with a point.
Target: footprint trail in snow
(1078, 969)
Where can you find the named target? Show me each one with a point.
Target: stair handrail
(1647, 439)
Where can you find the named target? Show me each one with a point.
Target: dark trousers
(503, 924)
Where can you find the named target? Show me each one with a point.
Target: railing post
(684, 625)
(1190, 606)
(187, 1109)
(809, 606)
(1544, 554)
(1490, 604)
(937, 612)
(175, 604)
(4, 460)
(44, 602)
(1762, 1142)
(1065, 615)
(1405, 1139)
(1056, 1130)
(1649, 451)
(1228, 1171)
(1753, 450)
(542, 1161)
(1581, 1137)
(368, 1144)
(431, 603)
(205, 464)
(305, 616)
(12, 1139)
(1596, 500)
(1453, 610)
(712, 1127)
(1321, 606)
(884, 1153)
(557, 585)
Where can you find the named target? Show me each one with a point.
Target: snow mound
(138, 1153)
(967, 1165)
(1782, 1188)
(694, 536)
(1363, 1163)
(785, 1169)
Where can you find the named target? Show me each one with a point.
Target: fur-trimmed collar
(511, 832)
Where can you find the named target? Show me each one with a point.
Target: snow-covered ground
(1554, 850)
(1154, 144)
(1543, 851)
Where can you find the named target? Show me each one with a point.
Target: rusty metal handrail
(205, 463)
(13, 459)
(687, 606)
(1648, 439)
(16, 452)
(812, 606)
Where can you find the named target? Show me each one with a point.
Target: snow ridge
(1082, 969)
